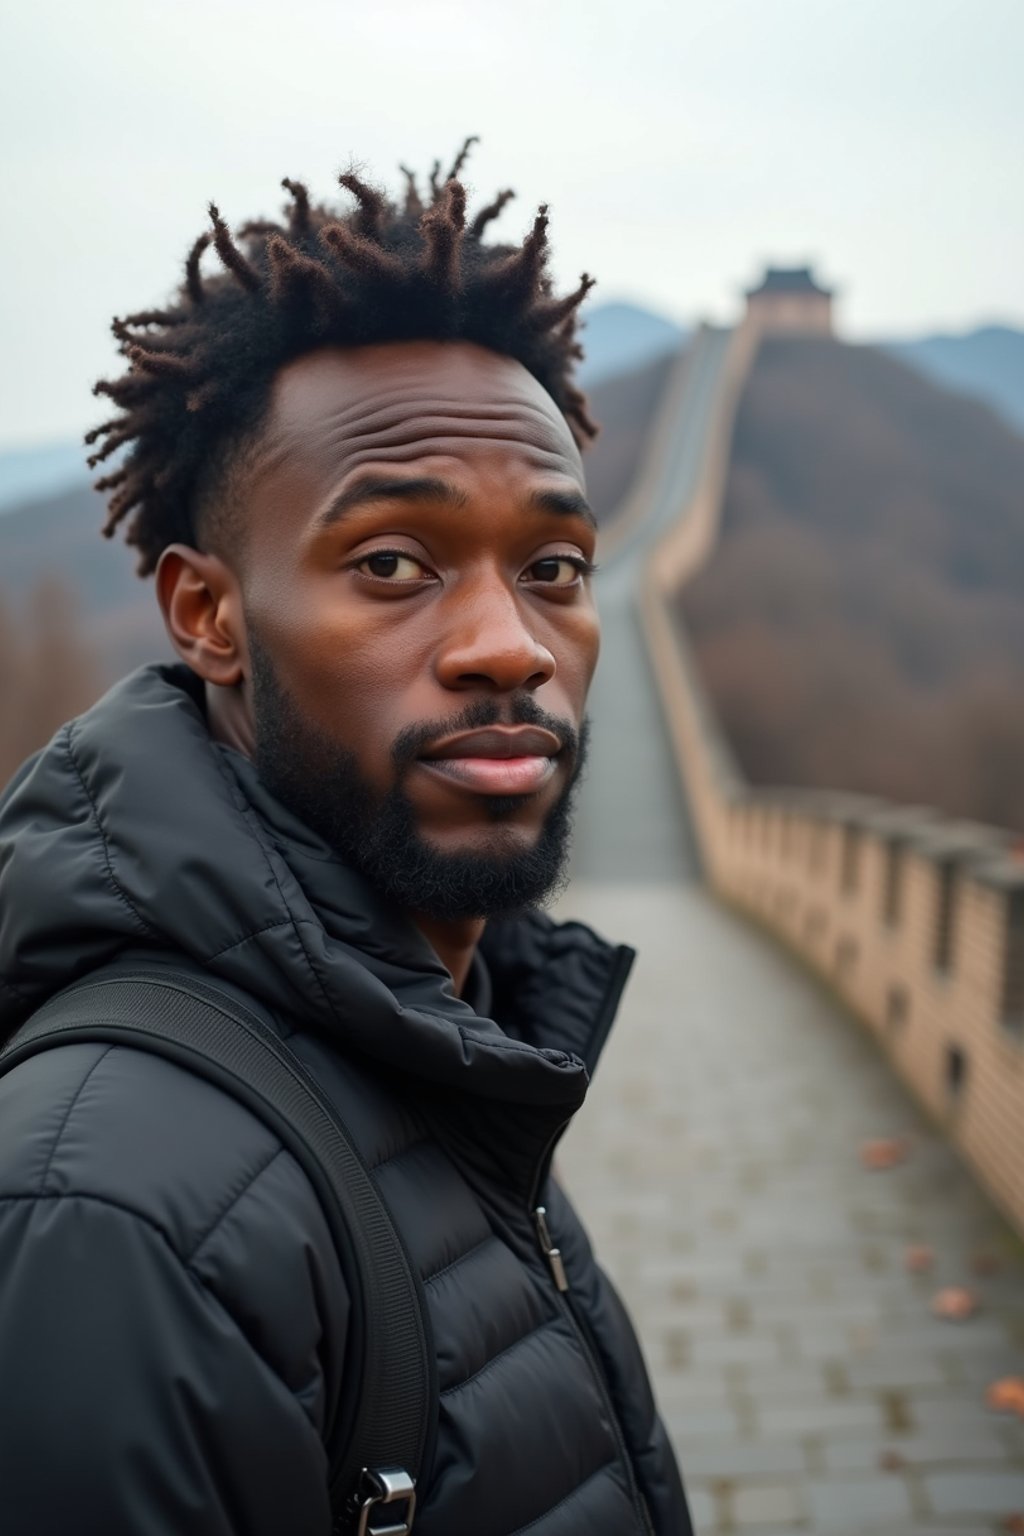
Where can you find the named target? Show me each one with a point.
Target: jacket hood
(133, 829)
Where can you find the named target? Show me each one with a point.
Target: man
(352, 461)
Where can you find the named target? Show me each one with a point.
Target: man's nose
(489, 642)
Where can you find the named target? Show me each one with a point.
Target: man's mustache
(521, 709)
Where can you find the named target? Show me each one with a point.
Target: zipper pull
(548, 1249)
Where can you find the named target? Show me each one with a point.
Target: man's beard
(321, 783)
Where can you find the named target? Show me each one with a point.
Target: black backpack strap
(377, 1435)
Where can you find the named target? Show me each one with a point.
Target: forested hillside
(624, 407)
(861, 625)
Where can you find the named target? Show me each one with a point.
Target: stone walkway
(804, 1380)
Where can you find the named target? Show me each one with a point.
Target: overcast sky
(679, 144)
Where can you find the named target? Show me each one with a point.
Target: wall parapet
(915, 920)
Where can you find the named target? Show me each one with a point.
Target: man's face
(421, 629)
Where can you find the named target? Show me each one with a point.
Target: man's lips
(496, 741)
(501, 760)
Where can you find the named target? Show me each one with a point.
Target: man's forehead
(400, 401)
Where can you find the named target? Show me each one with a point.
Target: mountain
(987, 363)
(28, 473)
(861, 624)
(618, 338)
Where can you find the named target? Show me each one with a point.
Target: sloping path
(807, 1386)
(631, 821)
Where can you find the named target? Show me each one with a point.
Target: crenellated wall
(917, 922)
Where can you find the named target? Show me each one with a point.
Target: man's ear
(202, 608)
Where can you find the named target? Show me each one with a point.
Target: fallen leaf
(1007, 1395)
(884, 1152)
(1014, 1524)
(954, 1302)
(918, 1258)
(891, 1461)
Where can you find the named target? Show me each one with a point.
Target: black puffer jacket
(172, 1312)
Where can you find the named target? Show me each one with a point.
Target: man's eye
(559, 570)
(391, 565)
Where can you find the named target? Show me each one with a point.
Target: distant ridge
(619, 338)
(987, 363)
(29, 474)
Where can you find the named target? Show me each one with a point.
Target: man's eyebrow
(568, 503)
(369, 489)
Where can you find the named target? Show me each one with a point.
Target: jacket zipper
(582, 1332)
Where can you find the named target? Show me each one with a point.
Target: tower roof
(789, 280)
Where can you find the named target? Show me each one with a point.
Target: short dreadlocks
(200, 371)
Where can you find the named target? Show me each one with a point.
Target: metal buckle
(386, 1486)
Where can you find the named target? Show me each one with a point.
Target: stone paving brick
(702, 1508)
(822, 1344)
(689, 1425)
(897, 1369)
(945, 1529)
(820, 1418)
(976, 1443)
(976, 1493)
(763, 1530)
(689, 1392)
(739, 1349)
(740, 1458)
(952, 1412)
(857, 1503)
(976, 1337)
(709, 1317)
(987, 1363)
(764, 1504)
(814, 1314)
(802, 1381)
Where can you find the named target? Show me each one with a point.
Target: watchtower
(789, 302)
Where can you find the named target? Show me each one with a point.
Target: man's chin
(501, 839)
(491, 872)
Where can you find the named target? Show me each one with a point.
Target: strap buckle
(383, 1487)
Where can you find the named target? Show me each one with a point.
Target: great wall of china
(915, 921)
